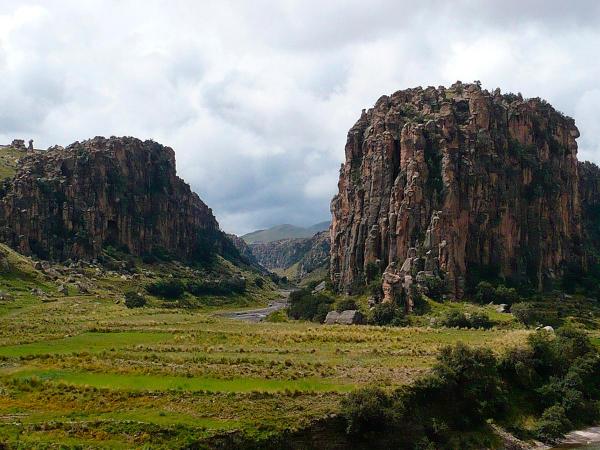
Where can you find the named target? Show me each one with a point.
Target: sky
(256, 97)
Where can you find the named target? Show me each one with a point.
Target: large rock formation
(453, 183)
(307, 255)
(70, 203)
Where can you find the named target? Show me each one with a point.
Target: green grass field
(83, 370)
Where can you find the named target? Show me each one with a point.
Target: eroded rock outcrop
(450, 182)
(309, 254)
(71, 202)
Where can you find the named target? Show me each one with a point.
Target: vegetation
(134, 299)
(467, 387)
(304, 305)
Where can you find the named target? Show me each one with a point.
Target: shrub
(365, 410)
(480, 320)
(346, 304)
(169, 288)
(525, 313)
(134, 299)
(304, 305)
(234, 285)
(259, 282)
(485, 293)
(553, 424)
(455, 319)
(372, 271)
(385, 314)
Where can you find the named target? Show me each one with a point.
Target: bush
(304, 305)
(346, 304)
(387, 314)
(525, 313)
(229, 286)
(486, 293)
(134, 299)
(457, 319)
(366, 410)
(259, 282)
(169, 289)
(480, 320)
(553, 424)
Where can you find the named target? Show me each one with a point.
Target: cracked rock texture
(454, 182)
(71, 202)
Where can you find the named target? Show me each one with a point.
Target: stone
(548, 328)
(348, 317)
(332, 317)
(450, 179)
(502, 308)
(320, 287)
(63, 289)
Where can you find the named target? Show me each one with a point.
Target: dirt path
(258, 315)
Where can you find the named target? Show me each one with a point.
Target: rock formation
(308, 254)
(72, 202)
(455, 182)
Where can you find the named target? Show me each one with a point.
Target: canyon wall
(71, 202)
(454, 183)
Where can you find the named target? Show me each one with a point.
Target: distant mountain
(285, 231)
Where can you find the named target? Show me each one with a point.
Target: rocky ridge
(455, 182)
(306, 254)
(70, 203)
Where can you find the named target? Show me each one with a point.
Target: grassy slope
(8, 161)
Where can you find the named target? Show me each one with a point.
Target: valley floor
(83, 370)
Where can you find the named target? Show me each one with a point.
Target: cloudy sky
(256, 97)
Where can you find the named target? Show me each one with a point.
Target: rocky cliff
(307, 255)
(589, 192)
(456, 182)
(72, 202)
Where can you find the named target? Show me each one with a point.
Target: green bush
(167, 288)
(346, 304)
(455, 319)
(558, 374)
(486, 293)
(134, 299)
(480, 320)
(225, 286)
(259, 282)
(525, 313)
(553, 424)
(304, 305)
(367, 410)
(387, 314)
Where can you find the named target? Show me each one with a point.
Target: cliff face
(589, 193)
(309, 254)
(455, 182)
(69, 203)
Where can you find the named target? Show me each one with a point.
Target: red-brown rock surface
(69, 203)
(452, 182)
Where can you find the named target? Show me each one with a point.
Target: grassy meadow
(83, 370)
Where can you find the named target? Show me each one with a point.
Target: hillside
(285, 231)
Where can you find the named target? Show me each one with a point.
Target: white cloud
(256, 98)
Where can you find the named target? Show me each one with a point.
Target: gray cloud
(256, 97)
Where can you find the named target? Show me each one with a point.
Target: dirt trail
(258, 315)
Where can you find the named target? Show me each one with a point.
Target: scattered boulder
(63, 289)
(348, 317)
(320, 287)
(332, 317)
